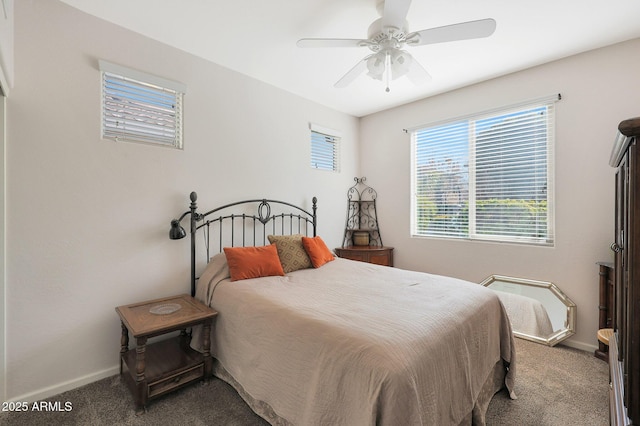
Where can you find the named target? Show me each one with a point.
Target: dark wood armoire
(624, 346)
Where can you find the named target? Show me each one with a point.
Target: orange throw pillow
(317, 250)
(253, 262)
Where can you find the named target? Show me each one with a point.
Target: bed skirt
(493, 384)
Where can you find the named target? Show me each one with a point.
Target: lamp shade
(176, 232)
(376, 65)
(400, 63)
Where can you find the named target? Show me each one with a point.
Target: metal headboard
(245, 223)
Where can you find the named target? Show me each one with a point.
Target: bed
(346, 343)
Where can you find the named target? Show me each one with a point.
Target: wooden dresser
(624, 346)
(371, 254)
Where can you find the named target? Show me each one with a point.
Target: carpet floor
(555, 386)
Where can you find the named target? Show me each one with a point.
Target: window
(486, 177)
(324, 148)
(140, 108)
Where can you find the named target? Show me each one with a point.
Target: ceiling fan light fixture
(400, 63)
(376, 65)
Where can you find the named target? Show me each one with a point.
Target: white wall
(599, 89)
(88, 219)
(6, 45)
(6, 77)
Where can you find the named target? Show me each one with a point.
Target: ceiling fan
(387, 37)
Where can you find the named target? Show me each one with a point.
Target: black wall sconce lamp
(177, 232)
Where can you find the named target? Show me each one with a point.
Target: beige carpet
(555, 386)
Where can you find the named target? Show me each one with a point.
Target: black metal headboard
(243, 223)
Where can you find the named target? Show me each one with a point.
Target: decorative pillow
(252, 262)
(317, 250)
(291, 252)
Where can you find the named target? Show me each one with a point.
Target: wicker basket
(360, 238)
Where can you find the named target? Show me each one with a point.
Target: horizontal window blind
(138, 111)
(511, 154)
(441, 163)
(324, 151)
(486, 177)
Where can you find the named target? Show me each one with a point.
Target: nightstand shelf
(169, 364)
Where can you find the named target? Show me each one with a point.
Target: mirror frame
(570, 323)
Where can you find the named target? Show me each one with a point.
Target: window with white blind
(137, 107)
(325, 144)
(486, 177)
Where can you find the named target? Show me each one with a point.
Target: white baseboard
(65, 386)
(580, 345)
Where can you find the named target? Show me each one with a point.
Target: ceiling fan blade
(462, 31)
(352, 74)
(395, 13)
(417, 74)
(329, 42)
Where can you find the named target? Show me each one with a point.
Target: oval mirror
(539, 311)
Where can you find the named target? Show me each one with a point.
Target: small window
(140, 108)
(486, 177)
(324, 148)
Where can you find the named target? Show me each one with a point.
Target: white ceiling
(258, 38)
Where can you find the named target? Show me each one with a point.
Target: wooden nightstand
(371, 254)
(155, 369)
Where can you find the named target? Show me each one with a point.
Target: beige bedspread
(352, 343)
